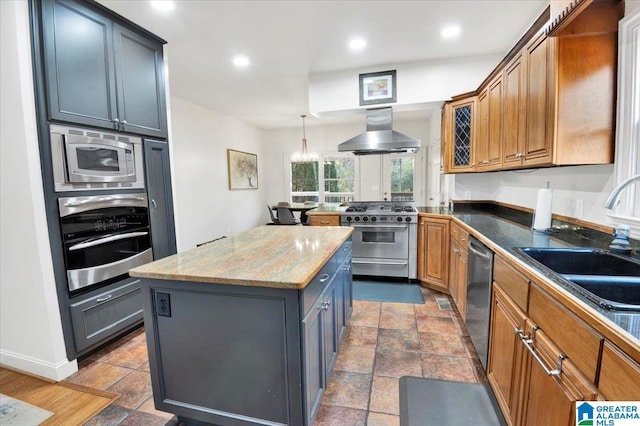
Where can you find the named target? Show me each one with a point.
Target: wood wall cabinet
(109, 76)
(459, 140)
(550, 102)
(514, 112)
(458, 256)
(433, 250)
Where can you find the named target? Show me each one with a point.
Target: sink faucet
(612, 200)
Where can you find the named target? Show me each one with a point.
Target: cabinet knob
(124, 122)
(115, 120)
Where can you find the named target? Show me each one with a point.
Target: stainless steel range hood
(380, 138)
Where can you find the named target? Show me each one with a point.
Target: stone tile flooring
(383, 342)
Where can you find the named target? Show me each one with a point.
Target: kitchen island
(245, 330)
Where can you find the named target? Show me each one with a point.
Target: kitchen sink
(609, 279)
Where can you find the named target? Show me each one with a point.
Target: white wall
(326, 138)
(578, 191)
(205, 208)
(30, 328)
(419, 82)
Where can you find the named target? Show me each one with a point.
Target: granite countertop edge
(290, 256)
(503, 236)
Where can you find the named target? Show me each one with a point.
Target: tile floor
(383, 342)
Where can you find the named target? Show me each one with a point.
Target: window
(339, 179)
(304, 181)
(333, 183)
(402, 179)
(627, 161)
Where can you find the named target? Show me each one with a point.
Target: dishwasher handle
(480, 250)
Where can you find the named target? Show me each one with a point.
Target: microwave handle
(105, 240)
(102, 200)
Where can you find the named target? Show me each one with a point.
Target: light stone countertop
(267, 256)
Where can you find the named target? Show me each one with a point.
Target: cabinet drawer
(514, 284)
(327, 220)
(312, 291)
(619, 375)
(343, 251)
(460, 235)
(100, 317)
(575, 338)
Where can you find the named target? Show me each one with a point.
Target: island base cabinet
(224, 355)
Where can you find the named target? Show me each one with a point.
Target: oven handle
(105, 240)
(102, 200)
(394, 227)
(378, 262)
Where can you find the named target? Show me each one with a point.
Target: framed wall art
(243, 169)
(377, 87)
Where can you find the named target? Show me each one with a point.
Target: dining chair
(274, 220)
(286, 217)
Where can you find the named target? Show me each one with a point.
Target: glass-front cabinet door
(459, 135)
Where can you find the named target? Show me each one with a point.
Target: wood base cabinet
(458, 256)
(505, 352)
(433, 250)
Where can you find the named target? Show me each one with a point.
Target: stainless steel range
(384, 239)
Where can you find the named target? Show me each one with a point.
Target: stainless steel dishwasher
(479, 277)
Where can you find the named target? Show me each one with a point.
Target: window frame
(627, 161)
(321, 181)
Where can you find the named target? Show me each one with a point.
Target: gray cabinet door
(330, 328)
(100, 73)
(78, 55)
(158, 178)
(314, 378)
(140, 83)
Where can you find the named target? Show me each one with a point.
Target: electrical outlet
(163, 304)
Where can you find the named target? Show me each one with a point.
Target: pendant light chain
(304, 156)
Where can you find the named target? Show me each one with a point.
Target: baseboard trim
(37, 367)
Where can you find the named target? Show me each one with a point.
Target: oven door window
(106, 249)
(378, 237)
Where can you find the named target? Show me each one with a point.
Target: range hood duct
(380, 138)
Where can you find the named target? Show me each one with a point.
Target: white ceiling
(288, 40)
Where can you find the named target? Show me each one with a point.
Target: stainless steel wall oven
(103, 237)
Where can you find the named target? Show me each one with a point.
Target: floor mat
(443, 402)
(376, 291)
(16, 412)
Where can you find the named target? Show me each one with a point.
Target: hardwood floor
(72, 404)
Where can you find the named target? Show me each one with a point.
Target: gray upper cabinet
(100, 73)
(158, 177)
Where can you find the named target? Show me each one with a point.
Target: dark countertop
(507, 235)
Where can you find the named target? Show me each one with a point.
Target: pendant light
(304, 155)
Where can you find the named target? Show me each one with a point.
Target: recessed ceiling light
(357, 43)
(241, 61)
(163, 5)
(450, 31)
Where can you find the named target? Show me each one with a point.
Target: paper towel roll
(542, 215)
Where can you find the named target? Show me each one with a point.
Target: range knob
(373, 219)
(407, 219)
(365, 219)
(357, 218)
(349, 218)
(399, 219)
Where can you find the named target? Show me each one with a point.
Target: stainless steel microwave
(88, 159)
